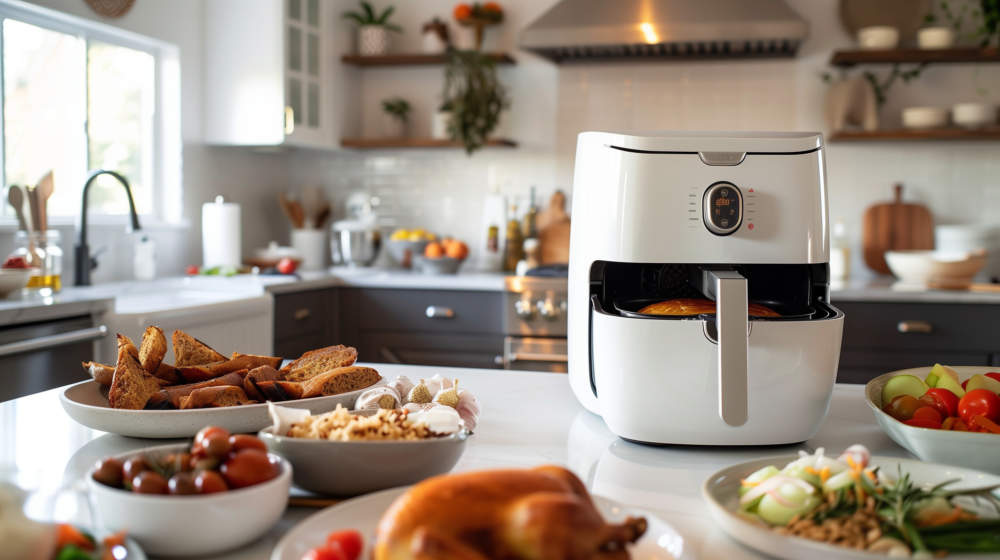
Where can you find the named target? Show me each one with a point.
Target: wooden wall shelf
(414, 59)
(915, 56)
(391, 143)
(992, 133)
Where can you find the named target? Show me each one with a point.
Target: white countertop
(527, 419)
(886, 289)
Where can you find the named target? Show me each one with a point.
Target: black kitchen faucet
(83, 262)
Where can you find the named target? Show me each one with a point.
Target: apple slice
(903, 385)
(980, 381)
(945, 378)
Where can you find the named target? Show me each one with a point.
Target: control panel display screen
(723, 208)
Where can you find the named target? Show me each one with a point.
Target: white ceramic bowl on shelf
(936, 269)
(974, 115)
(925, 117)
(935, 37)
(973, 450)
(878, 37)
(192, 525)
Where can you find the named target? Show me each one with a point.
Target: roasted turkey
(543, 513)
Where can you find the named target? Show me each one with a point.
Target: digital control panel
(722, 208)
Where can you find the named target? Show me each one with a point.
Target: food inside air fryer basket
(698, 306)
(544, 512)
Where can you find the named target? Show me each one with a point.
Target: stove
(534, 324)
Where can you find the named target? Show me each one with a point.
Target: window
(79, 96)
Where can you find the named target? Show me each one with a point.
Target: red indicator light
(750, 227)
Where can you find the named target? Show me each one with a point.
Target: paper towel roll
(220, 233)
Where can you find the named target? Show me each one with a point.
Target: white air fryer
(733, 217)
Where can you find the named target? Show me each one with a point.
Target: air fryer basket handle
(729, 289)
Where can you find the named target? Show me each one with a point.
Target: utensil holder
(310, 244)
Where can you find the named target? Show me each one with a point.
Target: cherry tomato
(210, 482)
(133, 467)
(928, 413)
(208, 431)
(326, 553)
(216, 445)
(178, 461)
(943, 400)
(993, 375)
(248, 467)
(108, 472)
(15, 262)
(244, 441)
(979, 401)
(287, 266)
(192, 269)
(149, 482)
(350, 541)
(903, 407)
(923, 423)
(182, 483)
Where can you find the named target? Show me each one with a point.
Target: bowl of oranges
(405, 244)
(442, 257)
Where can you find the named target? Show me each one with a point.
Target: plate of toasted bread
(141, 395)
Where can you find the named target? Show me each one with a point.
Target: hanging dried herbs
(474, 97)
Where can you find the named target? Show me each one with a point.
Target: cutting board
(553, 231)
(894, 226)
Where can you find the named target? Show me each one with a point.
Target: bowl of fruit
(444, 257)
(405, 244)
(15, 274)
(218, 493)
(942, 414)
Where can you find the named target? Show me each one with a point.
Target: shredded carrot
(811, 470)
(986, 424)
(110, 542)
(951, 517)
(960, 426)
(824, 474)
(67, 534)
(851, 462)
(745, 482)
(871, 475)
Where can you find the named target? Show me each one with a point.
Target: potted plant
(436, 38)
(473, 98)
(477, 17)
(395, 117)
(373, 29)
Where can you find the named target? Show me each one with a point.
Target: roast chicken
(543, 513)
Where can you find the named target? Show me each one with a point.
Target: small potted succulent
(373, 29)
(395, 117)
(477, 17)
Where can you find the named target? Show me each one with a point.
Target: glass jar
(47, 259)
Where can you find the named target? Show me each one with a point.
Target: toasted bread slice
(278, 390)
(253, 361)
(340, 380)
(124, 341)
(132, 386)
(213, 397)
(167, 373)
(177, 392)
(256, 375)
(152, 349)
(321, 360)
(102, 373)
(189, 351)
(194, 374)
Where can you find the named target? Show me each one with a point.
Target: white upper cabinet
(270, 73)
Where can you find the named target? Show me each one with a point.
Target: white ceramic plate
(974, 450)
(721, 492)
(84, 403)
(661, 541)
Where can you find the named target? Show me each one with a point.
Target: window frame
(167, 144)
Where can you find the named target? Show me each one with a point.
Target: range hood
(583, 30)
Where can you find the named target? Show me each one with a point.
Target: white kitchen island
(527, 419)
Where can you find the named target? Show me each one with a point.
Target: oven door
(535, 353)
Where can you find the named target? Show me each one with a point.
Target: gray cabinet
(424, 327)
(304, 321)
(881, 337)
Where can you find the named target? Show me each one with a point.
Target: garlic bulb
(438, 383)
(402, 386)
(378, 397)
(439, 418)
(468, 408)
(448, 396)
(420, 393)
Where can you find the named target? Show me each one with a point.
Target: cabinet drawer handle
(289, 120)
(920, 327)
(439, 312)
(301, 314)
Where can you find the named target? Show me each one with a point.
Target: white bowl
(925, 117)
(974, 115)
(878, 37)
(974, 450)
(13, 279)
(192, 525)
(935, 38)
(936, 269)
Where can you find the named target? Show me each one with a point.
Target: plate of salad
(74, 543)
(941, 414)
(855, 506)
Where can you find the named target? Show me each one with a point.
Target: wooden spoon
(44, 189)
(15, 196)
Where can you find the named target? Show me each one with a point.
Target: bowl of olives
(218, 493)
